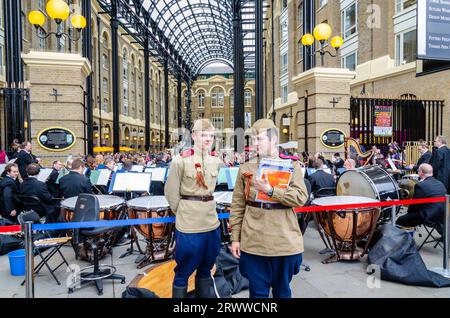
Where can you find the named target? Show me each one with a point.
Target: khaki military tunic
(268, 232)
(193, 216)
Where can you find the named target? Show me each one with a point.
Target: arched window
(125, 82)
(201, 98)
(248, 98)
(232, 98)
(105, 40)
(217, 97)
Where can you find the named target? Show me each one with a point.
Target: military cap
(203, 125)
(263, 124)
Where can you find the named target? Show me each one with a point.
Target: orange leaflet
(278, 179)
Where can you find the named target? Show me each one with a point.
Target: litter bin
(17, 262)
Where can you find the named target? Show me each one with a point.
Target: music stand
(129, 183)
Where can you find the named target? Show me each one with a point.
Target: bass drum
(370, 182)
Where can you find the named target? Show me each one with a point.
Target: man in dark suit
(441, 161)
(320, 179)
(429, 213)
(52, 186)
(75, 182)
(33, 187)
(24, 158)
(9, 190)
(425, 156)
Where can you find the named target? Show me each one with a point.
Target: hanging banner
(383, 121)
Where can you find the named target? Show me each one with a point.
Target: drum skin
(342, 223)
(370, 182)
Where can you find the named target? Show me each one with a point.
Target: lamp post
(57, 10)
(322, 33)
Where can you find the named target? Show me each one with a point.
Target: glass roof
(200, 30)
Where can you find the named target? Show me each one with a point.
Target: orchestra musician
(75, 183)
(9, 190)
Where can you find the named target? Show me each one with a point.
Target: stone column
(67, 74)
(322, 85)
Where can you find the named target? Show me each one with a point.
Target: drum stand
(131, 251)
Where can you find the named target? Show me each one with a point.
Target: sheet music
(100, 177)
(391, 163)
(137, 168)
(222, 177)
(44, 174)
(231, 177)
(63, 172)
(158, 174)
(132, 182)
(12, 160)
(118, 166)
(2, 168)
(103, 179)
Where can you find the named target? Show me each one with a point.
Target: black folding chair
(47, 243)
(431, 229)
(87, 209)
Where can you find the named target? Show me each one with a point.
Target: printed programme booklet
(278, 172)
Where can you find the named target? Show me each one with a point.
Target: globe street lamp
(57, 10)
(322, 33)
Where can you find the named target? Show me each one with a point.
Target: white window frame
(248, 97)
(322, 3)
(343, 15)
(284, 93)
(284, 67)
(399, 46)
(344, 59)
(201, 101)
(400, 6)
(217, 98)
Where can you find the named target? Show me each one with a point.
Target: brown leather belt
(202, 198)
(267, 206)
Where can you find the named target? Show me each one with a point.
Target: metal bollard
(445, 270)
(29, 255)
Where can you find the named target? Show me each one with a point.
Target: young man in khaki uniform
(266, 236)
(189, 190)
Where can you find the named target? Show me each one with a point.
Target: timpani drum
(111, 208)
(223, 202)
(343, 231)
(371, 182)
(159, 236)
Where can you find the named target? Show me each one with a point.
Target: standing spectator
(24, 158)
(441, 161)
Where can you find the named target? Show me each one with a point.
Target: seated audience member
(100, 162)
(33, 187)
(75, 182)
(127, 166)
(52, 186)
(427, 213)
(320, 179)
(8, 192)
